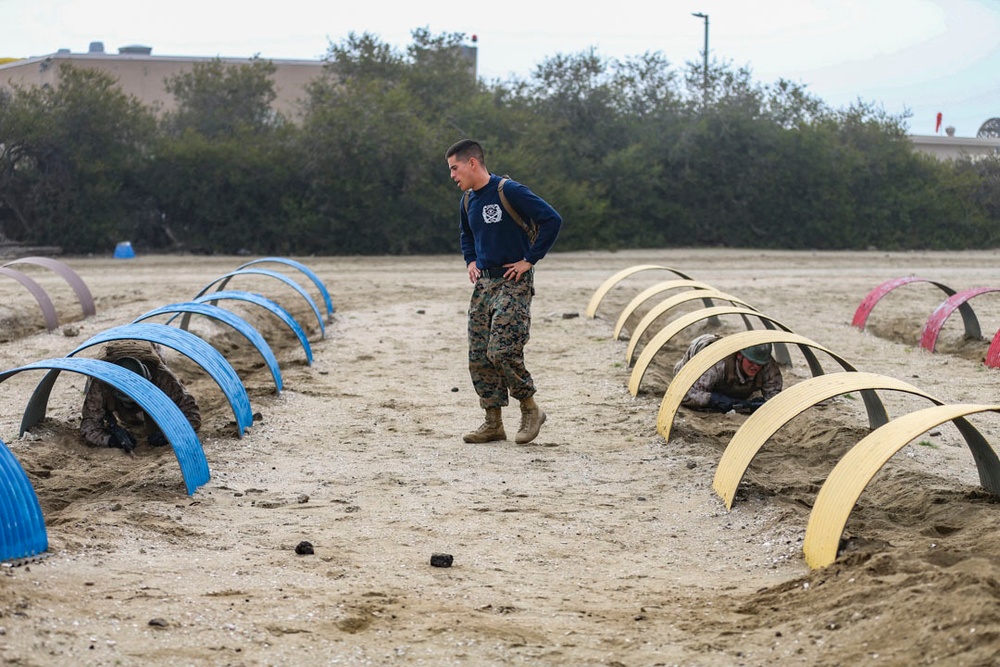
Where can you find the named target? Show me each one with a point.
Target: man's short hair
(465, 149)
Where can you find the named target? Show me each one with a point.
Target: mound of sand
(598, 544)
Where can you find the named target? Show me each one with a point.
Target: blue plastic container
(124, 250)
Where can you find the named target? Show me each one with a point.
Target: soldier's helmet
(759, 354)
(137, 367)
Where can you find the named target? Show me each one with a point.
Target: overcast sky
(927, 56)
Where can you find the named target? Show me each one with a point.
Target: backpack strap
(529, 228)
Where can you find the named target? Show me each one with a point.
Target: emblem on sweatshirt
(492, 214)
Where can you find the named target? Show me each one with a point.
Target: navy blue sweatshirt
(491, 237)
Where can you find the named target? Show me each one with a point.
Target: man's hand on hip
(517, 269)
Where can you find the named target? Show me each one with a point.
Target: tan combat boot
(490, 430)
(532, 418)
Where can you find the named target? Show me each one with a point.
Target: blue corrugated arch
(226, 317)
(222, 280)
(22, 527)
(182, 438)
(185, 342)
(301, 267)
(265, 303)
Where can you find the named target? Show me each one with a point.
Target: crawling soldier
(112, 419)
(741, 382)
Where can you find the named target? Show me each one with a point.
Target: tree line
(633, 153)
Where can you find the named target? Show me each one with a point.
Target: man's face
(750, 368)
(461, 171)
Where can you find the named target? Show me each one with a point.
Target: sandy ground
(597, 544)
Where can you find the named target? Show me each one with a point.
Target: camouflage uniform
(500, 308)
(499, 321)
(726, 377)
(101, 401)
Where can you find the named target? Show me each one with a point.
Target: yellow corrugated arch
(722, 348)
(606, 286)
(840, 492)
(678, 325)
(773, 415)
(652, 291)
(672, 302)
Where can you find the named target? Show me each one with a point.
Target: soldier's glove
(721, 402)
(157, 439)
(121, 438)
(750, 406)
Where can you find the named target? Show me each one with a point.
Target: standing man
(505, 230)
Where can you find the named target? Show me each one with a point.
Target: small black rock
(441, 560)
(304, 548)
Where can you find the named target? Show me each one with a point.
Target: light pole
(704, 84)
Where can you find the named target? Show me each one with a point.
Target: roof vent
(135, 49)
(96, 47)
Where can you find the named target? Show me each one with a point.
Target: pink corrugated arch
(868, 303)
(928, 337)
(993, 354)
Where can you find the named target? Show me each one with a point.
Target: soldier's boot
(490, 430)
(532, 418)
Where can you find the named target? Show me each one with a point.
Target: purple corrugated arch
(44, 302)
(69, 275)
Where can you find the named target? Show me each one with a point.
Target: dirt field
(598, 544)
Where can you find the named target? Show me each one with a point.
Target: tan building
(143, 75)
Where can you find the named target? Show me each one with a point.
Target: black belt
(496, 272)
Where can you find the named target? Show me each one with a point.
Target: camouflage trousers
(499, 320)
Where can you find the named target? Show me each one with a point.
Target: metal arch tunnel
(182, 438)
(652, 291)
(227, 317)
(722, 348)
(69, 275)
(842, 488)
(606, 286)
(669, 303)
(929, 334)
(222, 280)
(777, 412)
(681, 323)
(873, 297)
(44, 302)
(301, 267)
(22, 527)
(993, 353)
(185, 342)
(266, 304)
